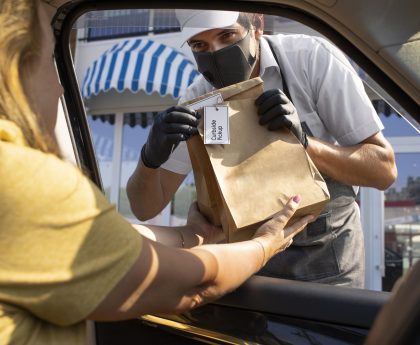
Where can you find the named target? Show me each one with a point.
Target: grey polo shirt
(327, 92)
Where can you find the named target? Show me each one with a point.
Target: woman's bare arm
(170, 280)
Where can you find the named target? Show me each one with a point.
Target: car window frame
(73, 102)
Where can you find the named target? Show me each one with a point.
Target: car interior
(383, 39)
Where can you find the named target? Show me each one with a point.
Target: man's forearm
(144, 191)
(365, 164)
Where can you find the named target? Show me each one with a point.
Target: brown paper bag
(241, 184)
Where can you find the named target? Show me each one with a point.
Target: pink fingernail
(297, 199)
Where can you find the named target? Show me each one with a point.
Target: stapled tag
(216, 124)
(212, 100)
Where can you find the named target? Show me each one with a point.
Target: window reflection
(182, 200)
(107, 90)
(402, 217)
(135, 132)
(103, 141)
(395, 125)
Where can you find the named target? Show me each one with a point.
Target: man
(336, 124)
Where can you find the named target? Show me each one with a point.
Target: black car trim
(335, 304)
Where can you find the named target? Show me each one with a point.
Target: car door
(266, 310)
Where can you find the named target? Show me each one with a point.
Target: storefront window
(101, 25)
(103, 142)
(133, 140)
(137, 76)
(182, 201)
(402, 219)
(396, 126)
(135, 131)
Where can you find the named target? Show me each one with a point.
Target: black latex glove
(170, 127)
(277, 111)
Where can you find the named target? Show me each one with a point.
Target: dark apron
(331, 249)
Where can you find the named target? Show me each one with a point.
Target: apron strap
(277, 58)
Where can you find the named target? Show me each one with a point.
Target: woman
(65, 254)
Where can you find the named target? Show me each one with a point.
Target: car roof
(388, 33)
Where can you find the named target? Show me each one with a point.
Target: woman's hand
(274, 236)
(166, 281)
(205, 232)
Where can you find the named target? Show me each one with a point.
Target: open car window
(132, 63)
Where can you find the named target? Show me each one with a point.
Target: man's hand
(277, 111)
(170, 127)
(205, 232)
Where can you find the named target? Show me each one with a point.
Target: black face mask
(227, 66)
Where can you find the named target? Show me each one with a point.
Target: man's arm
(150, 190)
(370, 163)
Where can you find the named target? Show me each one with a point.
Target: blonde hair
(20, 43)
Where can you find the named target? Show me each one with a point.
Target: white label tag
(216, 125)
(212, 100)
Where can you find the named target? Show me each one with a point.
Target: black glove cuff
(146, 163)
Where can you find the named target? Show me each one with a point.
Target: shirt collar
(267, 59)
(11, 133)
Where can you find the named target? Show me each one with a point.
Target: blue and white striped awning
(139, 64)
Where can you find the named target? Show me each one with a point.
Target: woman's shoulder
(29, 177)
(20, 163)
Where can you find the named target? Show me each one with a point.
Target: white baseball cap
(193, 22)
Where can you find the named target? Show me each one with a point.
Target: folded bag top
(241, 184)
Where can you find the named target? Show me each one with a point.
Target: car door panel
(269, 311)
